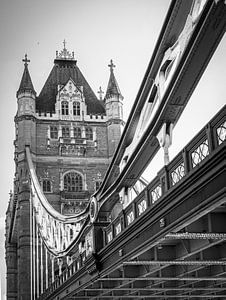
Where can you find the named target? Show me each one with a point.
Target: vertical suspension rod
(41, 264)
(31, 246)
(46, 266)
(34, 254)
(37, 259)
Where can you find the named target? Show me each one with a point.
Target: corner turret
(26, 94)
(25, 117)
(113, 105)
(113, 98)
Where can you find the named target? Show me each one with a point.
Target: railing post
(146, 196)
(164, 180)
(210, 137)
(186, 161)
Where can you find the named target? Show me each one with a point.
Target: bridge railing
(186, 162)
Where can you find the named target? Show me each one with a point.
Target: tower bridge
(79, 227)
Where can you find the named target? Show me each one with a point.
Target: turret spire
(26, 60)
(111, 65)
(112, 88)
(26, 83)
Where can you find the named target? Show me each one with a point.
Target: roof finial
(26, 60)
(100, 92)
(65, 54)
(111, 65)
(64, 42)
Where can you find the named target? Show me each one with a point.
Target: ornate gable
(70, 103)
(71, 91)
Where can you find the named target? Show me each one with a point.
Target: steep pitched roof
(26, 83)
(61, 72)
(113, 87)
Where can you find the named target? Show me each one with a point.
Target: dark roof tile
(61, 72)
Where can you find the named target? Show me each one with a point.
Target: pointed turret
(26, 84)
(113, 104)
(26, 95)
(113, 88)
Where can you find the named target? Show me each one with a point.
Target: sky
(97, 31)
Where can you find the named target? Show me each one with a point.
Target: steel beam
(155, 278)
(196, 236)
(158, 289)
(165, 297)
(176, 262)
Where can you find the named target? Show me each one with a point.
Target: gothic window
(64, 108)
(76, 108)
(77, 132)
(65, 132)
(46, 186)
(89, 133)
(53, 132)
(97, 185)
(73, 182)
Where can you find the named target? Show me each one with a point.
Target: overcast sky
(97, 31)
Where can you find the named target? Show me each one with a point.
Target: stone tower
(72, 136)
(18, 214)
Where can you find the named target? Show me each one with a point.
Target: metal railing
(186, 162)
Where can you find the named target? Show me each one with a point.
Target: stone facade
(72, 137)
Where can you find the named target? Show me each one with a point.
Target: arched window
(53, 132)
(73, 182)
(46, 186)
(65, 132)
(76, 108)
(77, 132)
(64, 108)
(89, 133)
